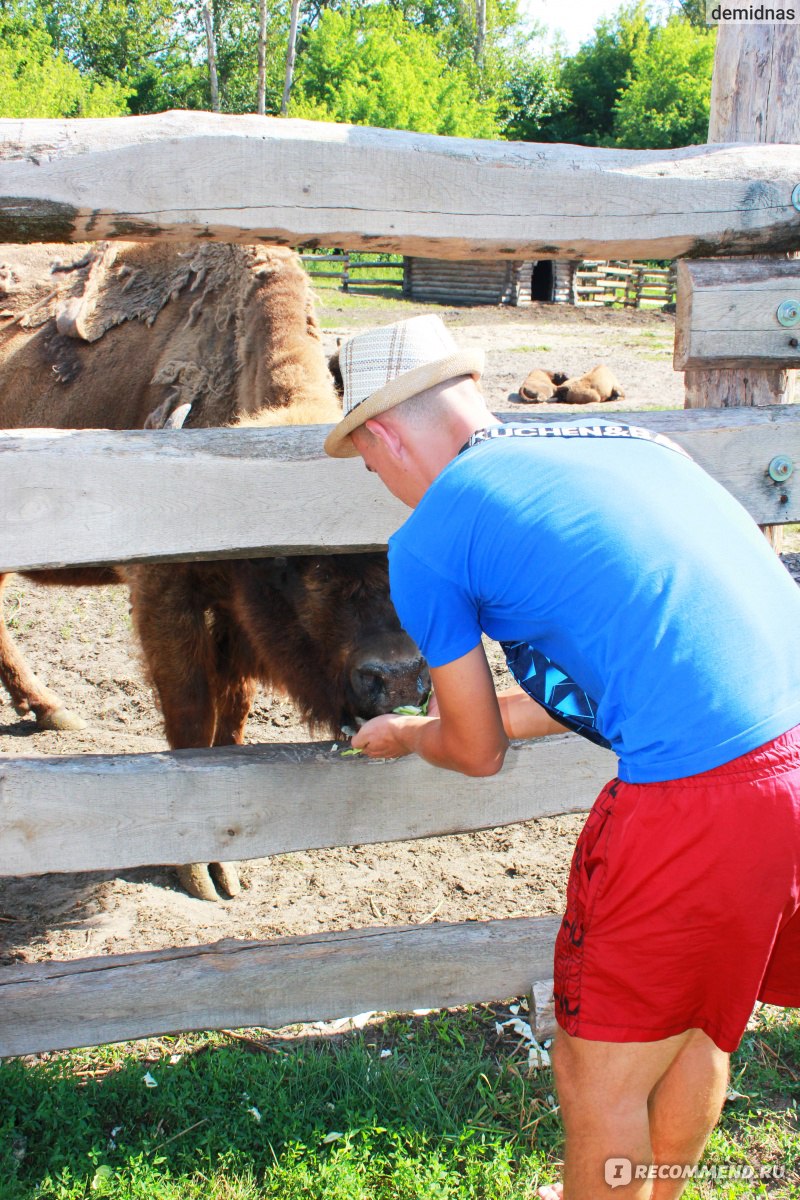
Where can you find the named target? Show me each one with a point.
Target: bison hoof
(61, 719)
(210, 881)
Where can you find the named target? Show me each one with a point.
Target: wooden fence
(630, 284)
(347, 265)
(72, 498)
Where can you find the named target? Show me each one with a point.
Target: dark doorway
(542, 281)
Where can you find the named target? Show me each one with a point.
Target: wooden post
(755, 97)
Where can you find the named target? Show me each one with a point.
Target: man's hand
(466, 734)
(383, 737)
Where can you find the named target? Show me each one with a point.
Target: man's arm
(471, 727)
(523, 717)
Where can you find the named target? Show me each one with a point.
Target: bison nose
(380, 685)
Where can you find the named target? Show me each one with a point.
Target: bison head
(323, 628)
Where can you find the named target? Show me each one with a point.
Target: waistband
(775, 757)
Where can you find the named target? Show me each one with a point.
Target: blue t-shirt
(633, 589)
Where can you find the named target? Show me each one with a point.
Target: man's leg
(685, 1106)
(641, 1101)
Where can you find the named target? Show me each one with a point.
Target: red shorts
(683, 903)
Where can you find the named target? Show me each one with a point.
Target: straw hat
(386, 366)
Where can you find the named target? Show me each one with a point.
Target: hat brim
(339, 444)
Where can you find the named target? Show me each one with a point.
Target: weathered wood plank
(93, 496)
(184, 175)
(99, 812)
(727, 314)
(55, 1006)
(755, 97)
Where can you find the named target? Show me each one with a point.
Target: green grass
(449, 1113)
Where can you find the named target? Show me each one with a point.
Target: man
(639, 605)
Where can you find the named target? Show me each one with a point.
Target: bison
(131, 336)
(540, 385)
(595, 387)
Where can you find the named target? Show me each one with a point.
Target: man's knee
(623, 1072)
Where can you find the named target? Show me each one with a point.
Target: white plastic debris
(174, 1059)
(520, 1027)
(537, 1057)
(386, 1054)
(331, 1137)
(149, 1081)
(255, 1114)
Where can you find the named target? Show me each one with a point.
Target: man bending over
(639, 605)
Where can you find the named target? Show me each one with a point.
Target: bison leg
(185, 656)
(234, 698)
(28, 694)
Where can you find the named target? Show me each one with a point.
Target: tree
(533, 94)
(262, 57)
(291, 51)
(36, 81)
(593, 79)
(110, 39)
(211, 54)
(372, 67)
(667, 102)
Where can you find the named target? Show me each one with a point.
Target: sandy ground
(80, 642)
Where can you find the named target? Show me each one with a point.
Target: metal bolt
(788, 312)
(780, 468)
(796, 197)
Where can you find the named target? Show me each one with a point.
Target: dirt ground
(80, 642)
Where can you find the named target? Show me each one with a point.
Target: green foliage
(594, 78)
(372, 67)
(110, 39)
(533, 95)
(407, 64)
(667, 102)
(36, 81)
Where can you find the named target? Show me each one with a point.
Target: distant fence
(342, 266)
(593, 282)
(631, 284)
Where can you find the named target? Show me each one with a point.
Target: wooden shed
(489, 282)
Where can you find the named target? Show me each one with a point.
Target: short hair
(426, 407)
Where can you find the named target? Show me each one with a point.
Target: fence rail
(630, 284)
(200, 805)
(97, 497)
(347, 265)
(246, 178)
(111, 999)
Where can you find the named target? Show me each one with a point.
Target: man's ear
(386, 434)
